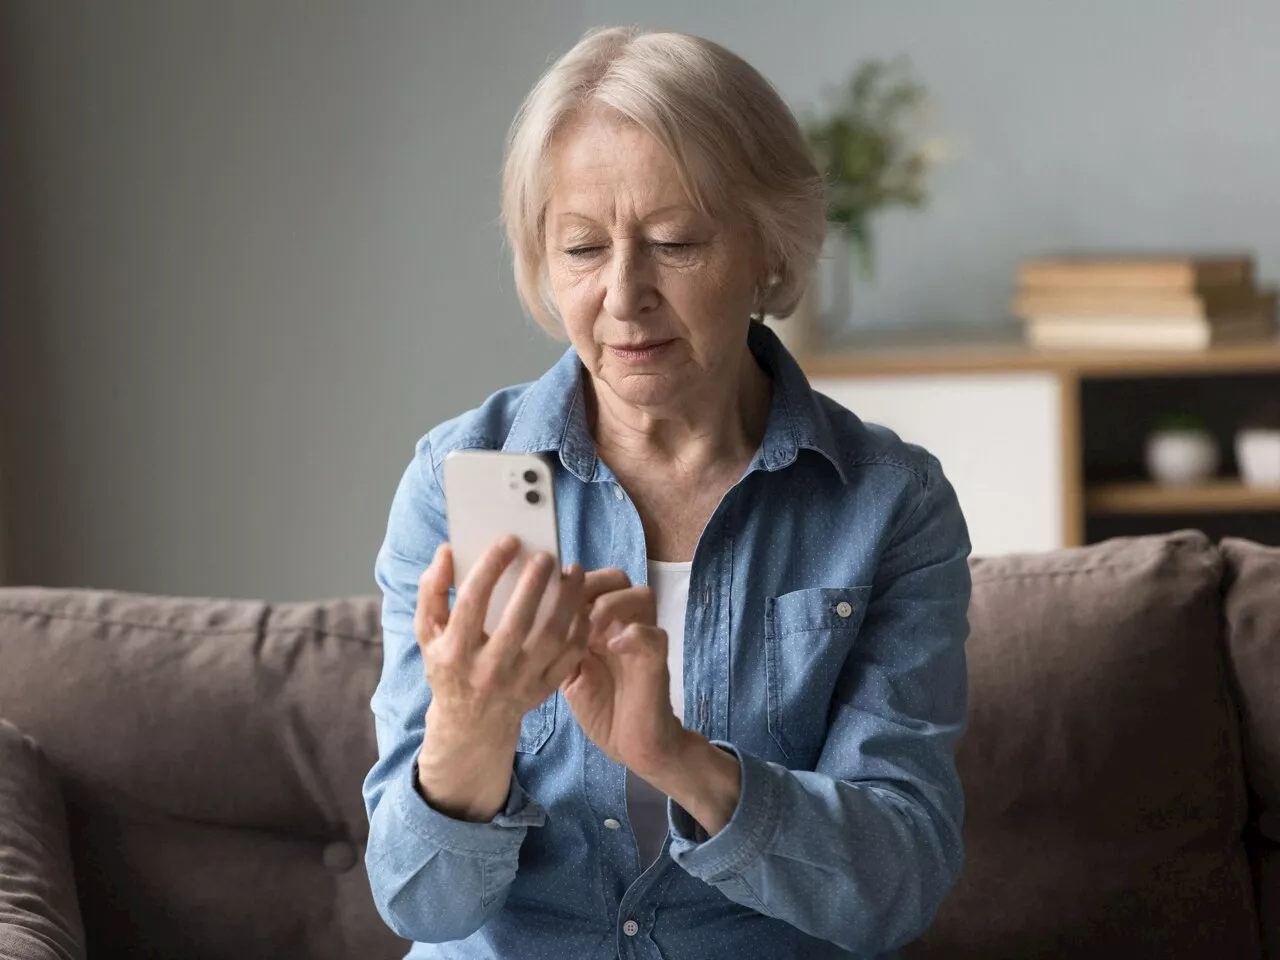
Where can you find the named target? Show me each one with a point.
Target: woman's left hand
(620, 693)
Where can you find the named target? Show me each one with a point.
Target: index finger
(596, 584)
(599, 582)
(471, 602)
(633, 605)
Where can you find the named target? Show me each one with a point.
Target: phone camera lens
(532, 496)
(530, 477)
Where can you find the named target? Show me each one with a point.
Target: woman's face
(656, 297)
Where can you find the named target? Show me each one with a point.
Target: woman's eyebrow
(670, 208)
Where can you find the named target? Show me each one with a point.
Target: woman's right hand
(486, 684)
(481, 685)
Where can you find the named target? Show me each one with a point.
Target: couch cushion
(39, 917)
(1104, 792)
(211, 754)
(1253, 641)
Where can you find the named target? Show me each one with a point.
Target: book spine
(1172, 277)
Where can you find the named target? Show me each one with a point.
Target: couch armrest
(39, 914)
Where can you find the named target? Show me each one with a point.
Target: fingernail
(510, 542)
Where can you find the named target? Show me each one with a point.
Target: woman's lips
(641, 354)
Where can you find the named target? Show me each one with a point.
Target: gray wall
(1125, 124)
(248, 251)
(260, 259)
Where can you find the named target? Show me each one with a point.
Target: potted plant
(1257, 444)
(1181, 451)
(866, 141)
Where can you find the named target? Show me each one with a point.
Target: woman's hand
(620, 690)
(482, 685)
(620, 694)
(488, 683)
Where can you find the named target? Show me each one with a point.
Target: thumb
(640, 641)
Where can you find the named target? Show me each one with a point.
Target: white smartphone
(489, 494)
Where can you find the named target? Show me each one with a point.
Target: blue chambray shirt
(824, 647)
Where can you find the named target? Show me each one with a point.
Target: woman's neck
(702, 434)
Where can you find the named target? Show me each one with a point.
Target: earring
(771, 281)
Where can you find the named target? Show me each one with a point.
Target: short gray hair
(734, 141)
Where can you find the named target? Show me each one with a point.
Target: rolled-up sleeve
(434, 878)
(861, 850)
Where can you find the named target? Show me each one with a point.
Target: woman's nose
(631, 290)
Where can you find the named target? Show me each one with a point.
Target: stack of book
(1152, 303)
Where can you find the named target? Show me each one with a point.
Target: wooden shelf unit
(1227, 495)
(898, 357)
(913, 354)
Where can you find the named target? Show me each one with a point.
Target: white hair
(733, 140)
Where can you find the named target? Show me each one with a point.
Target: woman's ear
(765, 289)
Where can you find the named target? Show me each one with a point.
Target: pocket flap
(818, 608)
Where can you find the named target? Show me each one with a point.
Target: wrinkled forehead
(604, 165)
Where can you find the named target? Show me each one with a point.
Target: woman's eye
(676, 251)
(589, 250)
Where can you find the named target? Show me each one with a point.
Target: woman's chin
(643, 389)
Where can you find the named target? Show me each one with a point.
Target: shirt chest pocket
(808, 636)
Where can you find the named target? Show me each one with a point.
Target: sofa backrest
(212, 754)
(1104, 791)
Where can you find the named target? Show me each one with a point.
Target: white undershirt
(646, 807)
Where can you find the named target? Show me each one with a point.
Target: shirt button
(617, 491)
(631, 928)
(843, 609)
(612, 824)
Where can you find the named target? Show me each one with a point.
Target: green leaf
(864, 143)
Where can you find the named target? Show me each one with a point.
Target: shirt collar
(553, 417)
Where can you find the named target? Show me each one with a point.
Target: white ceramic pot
(1181, 457)
(1258, 454)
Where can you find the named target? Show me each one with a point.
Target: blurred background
(249, 253)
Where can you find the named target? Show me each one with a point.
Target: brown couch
(1122, 766)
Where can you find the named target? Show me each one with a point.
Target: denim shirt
(824, 648)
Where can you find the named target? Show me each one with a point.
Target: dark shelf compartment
(1118, 414)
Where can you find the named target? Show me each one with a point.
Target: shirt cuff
(500, 837)
(747, 834)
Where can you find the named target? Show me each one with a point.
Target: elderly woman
(733, 736)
